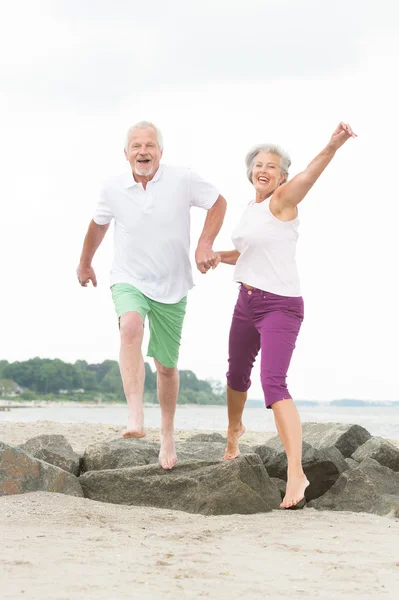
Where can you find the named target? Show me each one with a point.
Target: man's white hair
(285, 161)
(144, 125)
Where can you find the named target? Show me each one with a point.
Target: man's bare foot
(295, 491)
(133, 433)
(167, 454)
(135, 427)
(233, 435)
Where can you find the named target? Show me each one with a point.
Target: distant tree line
(82, 381)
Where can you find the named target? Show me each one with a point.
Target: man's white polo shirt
(152, 229)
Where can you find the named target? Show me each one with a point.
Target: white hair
(285, 161)
(144, 125)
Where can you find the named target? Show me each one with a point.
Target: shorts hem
(168, 366)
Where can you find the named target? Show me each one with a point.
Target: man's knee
(131, 327)
(165, 371)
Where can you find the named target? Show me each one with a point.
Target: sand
(56, 547)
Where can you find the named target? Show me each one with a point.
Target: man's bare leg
(235, 407)
(168, 389)
(131, 365)
(289, 429)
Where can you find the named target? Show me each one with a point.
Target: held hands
(341, 135)
(85, 274)
(206, 258)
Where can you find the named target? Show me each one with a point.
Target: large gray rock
(380, 450)
(119, 453)
(236, 486)
(21, 473)
(207, 437)
(281, 484)
(210, 451)
(346, 438)
(368, 488)
(268, 453)
(322, 467)
(352, 464)
(53, 449)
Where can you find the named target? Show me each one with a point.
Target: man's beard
(144, 171)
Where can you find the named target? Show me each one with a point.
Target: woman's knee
(131, 327)
(238, 381)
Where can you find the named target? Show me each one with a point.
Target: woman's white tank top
(267, 248)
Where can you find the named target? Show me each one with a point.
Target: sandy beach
(65, 548)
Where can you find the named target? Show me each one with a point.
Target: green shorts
(166, 321)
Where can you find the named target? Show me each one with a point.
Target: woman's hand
(341, 135)
(218, 259)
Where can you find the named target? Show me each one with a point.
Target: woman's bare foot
(233, 435)
(295, 491)
(167, 454)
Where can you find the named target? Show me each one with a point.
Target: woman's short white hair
(144, 125)
(285, 161)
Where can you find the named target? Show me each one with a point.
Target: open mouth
(263, 180)
(143, 161)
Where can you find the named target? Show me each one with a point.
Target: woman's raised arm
(290, 194)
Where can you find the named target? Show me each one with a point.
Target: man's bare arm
(94, 236)
(204, 255)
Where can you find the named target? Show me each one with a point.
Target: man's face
(143, 152)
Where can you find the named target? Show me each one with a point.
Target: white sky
(217, 76)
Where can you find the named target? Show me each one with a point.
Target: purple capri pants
(266, 321)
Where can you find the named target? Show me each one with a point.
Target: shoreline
(252, 403)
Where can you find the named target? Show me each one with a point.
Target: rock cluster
(348, 470)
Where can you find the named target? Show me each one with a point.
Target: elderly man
(151, 272)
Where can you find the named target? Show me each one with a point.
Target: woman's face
(266, 174)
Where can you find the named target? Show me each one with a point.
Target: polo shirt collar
(129, 181)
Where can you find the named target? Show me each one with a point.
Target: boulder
(239, 486)
(380, 450)
(352, 464)
(346, 438)
(53, 449)
(21, 473)
(207, 437)
(321, 466)
(369, 488)
(209, 451)
(268, 453)
(119, 453)
(281, 484)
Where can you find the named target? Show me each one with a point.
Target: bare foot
(135, 427)
(167, 454)
(232, 450)
(133, 433)
(295, 491)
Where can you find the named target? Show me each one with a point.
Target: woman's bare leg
(289, 429)
(235, 407)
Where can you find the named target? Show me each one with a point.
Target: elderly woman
(269, 309)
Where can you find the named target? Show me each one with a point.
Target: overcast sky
(217, 77)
